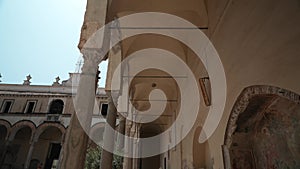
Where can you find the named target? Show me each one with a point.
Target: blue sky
(40, 37)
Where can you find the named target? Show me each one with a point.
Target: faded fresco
(269, 138)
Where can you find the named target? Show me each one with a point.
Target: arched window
(56, 107)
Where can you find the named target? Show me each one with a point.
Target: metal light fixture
(204, 90)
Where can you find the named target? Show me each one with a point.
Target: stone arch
(7, 126)
(41, 128)
(49, 135)
(268, 96)
(19, 125)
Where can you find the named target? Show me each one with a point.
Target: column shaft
(75, 147)
(29, 155)
(3, 154)
(121, 133)
(76, 141)
(135, 148)
(61, 151)
(127, 162)
(106, 156)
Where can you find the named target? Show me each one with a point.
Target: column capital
(92, 58)
(115, 35)
(113, 97)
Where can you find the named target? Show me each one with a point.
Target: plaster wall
(258, 44)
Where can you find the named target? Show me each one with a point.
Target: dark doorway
(53, 154)
(34, 164)
(104, 108)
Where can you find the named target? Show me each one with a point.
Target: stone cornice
(45, 91)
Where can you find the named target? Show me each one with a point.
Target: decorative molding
(32, 95)
(92, 59)
(56, 82)
(27, 81)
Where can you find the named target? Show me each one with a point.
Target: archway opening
(17, 151)
(3, 132)
(47, 148)
(266, 134)
(56, 107)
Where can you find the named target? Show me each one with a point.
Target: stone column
(135, 145)
(61, 151)
(121, 134)
(76, 139)
(3, 154)
(226, 156)
(29, 154)
(132, 130)
(106, 156)
(127, 162)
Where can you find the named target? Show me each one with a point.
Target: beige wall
(42, 104)
(258, 43)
